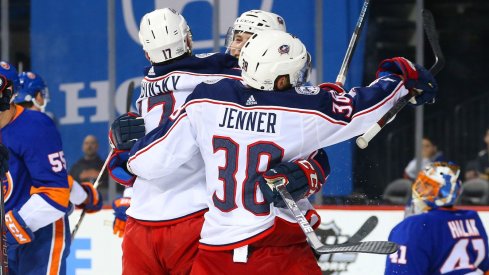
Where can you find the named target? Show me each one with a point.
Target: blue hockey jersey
(441, 241)
(37, 182)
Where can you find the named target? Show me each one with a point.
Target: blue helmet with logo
(31, 84)
(10, 72)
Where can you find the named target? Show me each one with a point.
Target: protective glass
(235, 40)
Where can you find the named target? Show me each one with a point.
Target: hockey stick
(3, 238)
(430, 29)
(367, 228)
(95, 186)
(375, 247)
(130, 91)
(341, 78)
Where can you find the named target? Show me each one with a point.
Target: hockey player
(37, 191)
(34, 95)
(249, 23)
(156, 207)
(169, 215)
(439, 239)
(243, 128)
(245, 25)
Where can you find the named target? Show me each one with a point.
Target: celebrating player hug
(238, 128)
(234, 161)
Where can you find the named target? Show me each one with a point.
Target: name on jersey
(252, 121)
(153, 88)
(463, 228)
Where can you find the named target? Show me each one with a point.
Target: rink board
(97, 251)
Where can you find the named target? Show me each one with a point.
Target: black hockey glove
(3, 160)
(415, 77)
(126, 130)
(6, 93)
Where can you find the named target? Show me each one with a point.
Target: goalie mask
(31, 85)
(165, 35)
(438, 185)
(270, 54)
(249, 23)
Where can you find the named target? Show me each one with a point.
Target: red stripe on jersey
(241, 243)
(282, 233)
(267, 108)
(194, 74)
(172, 221)
(378, 105)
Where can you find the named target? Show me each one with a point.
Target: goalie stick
(341, 78)
(374, 247)
(430, 29)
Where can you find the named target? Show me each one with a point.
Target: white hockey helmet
(258, 20)
(251, 22)
(269, 54)
(165, 35)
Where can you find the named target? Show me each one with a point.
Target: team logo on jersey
(307, 90)
(284, 49)
(251, 101)
(31, 75)
(330, 233)
(7, 186)
(5, 65)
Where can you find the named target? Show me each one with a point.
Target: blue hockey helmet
(31, 84)
(10, 72)
(438, 185)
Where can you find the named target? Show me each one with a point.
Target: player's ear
(282, 82)
(147, 56)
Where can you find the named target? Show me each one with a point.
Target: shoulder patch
(307, 90)
(204, 55)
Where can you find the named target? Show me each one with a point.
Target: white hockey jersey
(242, 132)
(181, 193)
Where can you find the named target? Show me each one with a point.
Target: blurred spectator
(88, 167)
(483, 159)
(471, 170)
(429, 153)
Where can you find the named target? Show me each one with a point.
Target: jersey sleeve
(346, 115)
(164, 149)
(413, 256)
(46, 166)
